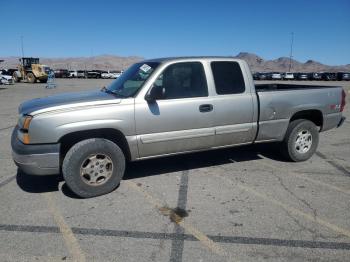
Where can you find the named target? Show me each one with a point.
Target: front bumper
(7, 82)
(35, 159)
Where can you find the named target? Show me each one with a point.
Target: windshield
(130, 82)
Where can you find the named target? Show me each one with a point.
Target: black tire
(43, 80)
(291, 147)
(75, 159)
(31, 78)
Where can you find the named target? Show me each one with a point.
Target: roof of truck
(183, 58)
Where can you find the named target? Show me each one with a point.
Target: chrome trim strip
(176, 135)
(220, 130)
(193, 151)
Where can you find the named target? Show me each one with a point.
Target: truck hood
(67, 101)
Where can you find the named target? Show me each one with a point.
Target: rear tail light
(343, 100)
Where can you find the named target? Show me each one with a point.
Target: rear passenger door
(180, 121)
(233, 105)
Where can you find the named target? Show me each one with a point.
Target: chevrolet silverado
(167, 106)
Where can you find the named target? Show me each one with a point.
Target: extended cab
(163, 107)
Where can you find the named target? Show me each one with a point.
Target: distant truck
(73, 74)
(328, 76)
(61, 73)
(343, 76)
(288, 76)
(31, 70)
(81, 74)
(316, 76)
(163, 107)
(95, 73)
(302, 76)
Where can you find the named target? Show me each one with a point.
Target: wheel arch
(114, 135)
(312, 115)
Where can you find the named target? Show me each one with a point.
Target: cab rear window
(228, 77)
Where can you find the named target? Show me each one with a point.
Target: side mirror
(155, 93)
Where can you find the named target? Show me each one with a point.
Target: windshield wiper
(106, 90)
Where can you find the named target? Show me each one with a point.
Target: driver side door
(182, 120)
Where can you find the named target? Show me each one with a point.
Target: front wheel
(93, 167)
(31, 78)
(301, 140)
(15, 77)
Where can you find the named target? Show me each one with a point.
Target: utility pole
(291, 52)
(22, 45)
(92, 59)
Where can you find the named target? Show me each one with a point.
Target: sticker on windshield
(145, 68)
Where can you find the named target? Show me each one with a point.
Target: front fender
(49, 128)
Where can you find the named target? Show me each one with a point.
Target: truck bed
(284, 87)
(275, 108)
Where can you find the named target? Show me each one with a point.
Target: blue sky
(175, 28)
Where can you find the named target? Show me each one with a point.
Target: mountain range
(102, 62)
(258, 64)
(112, 62)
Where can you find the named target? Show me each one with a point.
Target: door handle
(205, 108)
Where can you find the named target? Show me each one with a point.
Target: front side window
(131, 81)
(228, 78)
(183, 80)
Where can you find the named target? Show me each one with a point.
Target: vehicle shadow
(190, 161)
(38, 184)
(159, 166)
(69, 193)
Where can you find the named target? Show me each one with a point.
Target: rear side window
(228, 78)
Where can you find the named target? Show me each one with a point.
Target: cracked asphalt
(238, 204)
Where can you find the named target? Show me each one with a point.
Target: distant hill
(258, 64)
(111, 62)
(103, 62)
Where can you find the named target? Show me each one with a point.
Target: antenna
(22, 45)
(291, 52)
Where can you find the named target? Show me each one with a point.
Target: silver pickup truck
(167, 106)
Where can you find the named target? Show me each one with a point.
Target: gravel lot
(240, 204)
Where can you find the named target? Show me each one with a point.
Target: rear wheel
(93, 167)
(43, 80)
(31, 78)
(301, 140)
